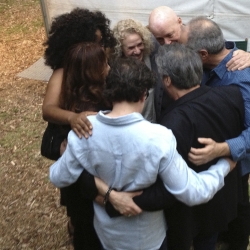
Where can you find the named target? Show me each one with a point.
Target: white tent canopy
(232, 16)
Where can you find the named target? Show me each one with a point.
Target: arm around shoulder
(239, 61)
(67, 169)
(209, 152)
(188, 186)
(51, 107)
(52, 112)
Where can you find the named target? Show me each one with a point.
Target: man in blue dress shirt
(167, 27)
(207, 39)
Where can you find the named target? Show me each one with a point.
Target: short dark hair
(80, 25)
(83, 77)
(182, 64)
(128, 80)
(204, 33)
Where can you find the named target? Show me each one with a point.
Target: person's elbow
(45, 112)
(45, 117)
(191, 200)
(54, 179)
(197, 195)
(57, 179)
(48, 112)
(59, 183)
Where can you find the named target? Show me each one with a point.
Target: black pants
(238, 232)
(164, 244)
(81, 212)
(85, 237)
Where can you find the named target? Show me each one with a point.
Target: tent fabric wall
(233, 17)
(120, 9)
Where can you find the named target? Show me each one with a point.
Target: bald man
(166, 26)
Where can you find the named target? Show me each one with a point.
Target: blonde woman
(135, 40)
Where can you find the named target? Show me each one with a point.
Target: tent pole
(45, 16)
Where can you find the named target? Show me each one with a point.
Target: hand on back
(80, 124)
(239, 61)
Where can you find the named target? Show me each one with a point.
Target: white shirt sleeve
(67, 169)
(185, 184)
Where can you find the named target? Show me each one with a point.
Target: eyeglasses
(147, 94)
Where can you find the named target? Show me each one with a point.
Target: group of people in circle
(112, 88)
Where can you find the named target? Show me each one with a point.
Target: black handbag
(51, 141)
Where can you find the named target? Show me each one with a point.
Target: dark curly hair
(83, 78)
(128, 80)
(80, 25)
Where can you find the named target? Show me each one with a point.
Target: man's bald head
(160, 16)
(165, 25)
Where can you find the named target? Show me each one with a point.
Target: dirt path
(30, 216)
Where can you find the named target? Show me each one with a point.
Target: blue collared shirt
(239, 146)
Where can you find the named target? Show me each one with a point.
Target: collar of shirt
(121, 120)
(221, 69)
(187, 98)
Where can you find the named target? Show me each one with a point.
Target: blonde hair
(130, 26)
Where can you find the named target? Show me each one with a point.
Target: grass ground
(30, 216)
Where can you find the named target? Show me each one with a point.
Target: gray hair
(182, 64)
(205, 34)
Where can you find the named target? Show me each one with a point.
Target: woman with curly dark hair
(80, 25)
(67, 30)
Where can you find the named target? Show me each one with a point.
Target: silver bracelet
(106, 196)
